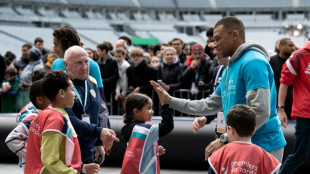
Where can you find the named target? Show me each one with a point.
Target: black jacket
(141, 76)
(204, 71)
(109, 75)
(170, 75)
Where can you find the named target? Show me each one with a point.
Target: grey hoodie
(258, 99)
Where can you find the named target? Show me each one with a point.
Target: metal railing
(181, 93)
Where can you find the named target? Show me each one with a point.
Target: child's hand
(92, 168)
(161, 150)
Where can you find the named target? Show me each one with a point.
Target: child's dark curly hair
(53, 82)
(132, 101)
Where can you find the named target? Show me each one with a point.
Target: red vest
(243, 157)
(51, 119)
(136, 151)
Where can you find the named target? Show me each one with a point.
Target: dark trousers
(301, 150)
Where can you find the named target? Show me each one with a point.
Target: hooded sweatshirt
(248, 79)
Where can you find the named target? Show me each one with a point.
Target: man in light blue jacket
(248, 79)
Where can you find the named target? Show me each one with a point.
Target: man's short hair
(231, 23)
(28, 45)
(11, 71)
(177, 38)
(283, 41)
(104, 46)
(243, 119)
(35, 91)
(120, 50)
(38, 39)
(54, 81)
(67, 36)
(10, 55)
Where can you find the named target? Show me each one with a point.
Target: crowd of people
(66, 118)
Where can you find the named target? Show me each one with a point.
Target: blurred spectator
(150, 49)
(209, 34)
(9, 58)
(198, 75)
(108, 69)
(23, 62)
(128, 41)
(147, 57)
(209, 49)
(157, 51)
(276, 46)
(123, 44)
(122, 82)
(169, 71)
(139, 73)
(39, 43)
(50, 59)
(286, 48)
(177, 44)
(92, 54)
(2, 68)
(162, 47)
(154, 62)
(186, 49)
(35, 63)
(111, 47)
(9, 90)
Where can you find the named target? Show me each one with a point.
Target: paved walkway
(14, 169)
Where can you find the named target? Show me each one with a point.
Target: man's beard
(287, 55)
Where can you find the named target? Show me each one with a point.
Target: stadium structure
(98, 20)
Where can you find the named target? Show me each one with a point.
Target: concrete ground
(14, 169)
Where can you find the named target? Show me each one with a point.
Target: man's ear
(235, 35)
(65, 63)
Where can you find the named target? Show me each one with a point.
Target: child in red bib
(53, 146)
(241, 156)
(142, 152)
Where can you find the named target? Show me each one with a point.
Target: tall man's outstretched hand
(163, 95)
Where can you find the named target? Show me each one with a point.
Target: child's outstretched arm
(166, 125)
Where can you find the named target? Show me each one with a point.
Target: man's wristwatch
(280, 107)
(224, 139)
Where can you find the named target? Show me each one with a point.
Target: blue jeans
(301, 147)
